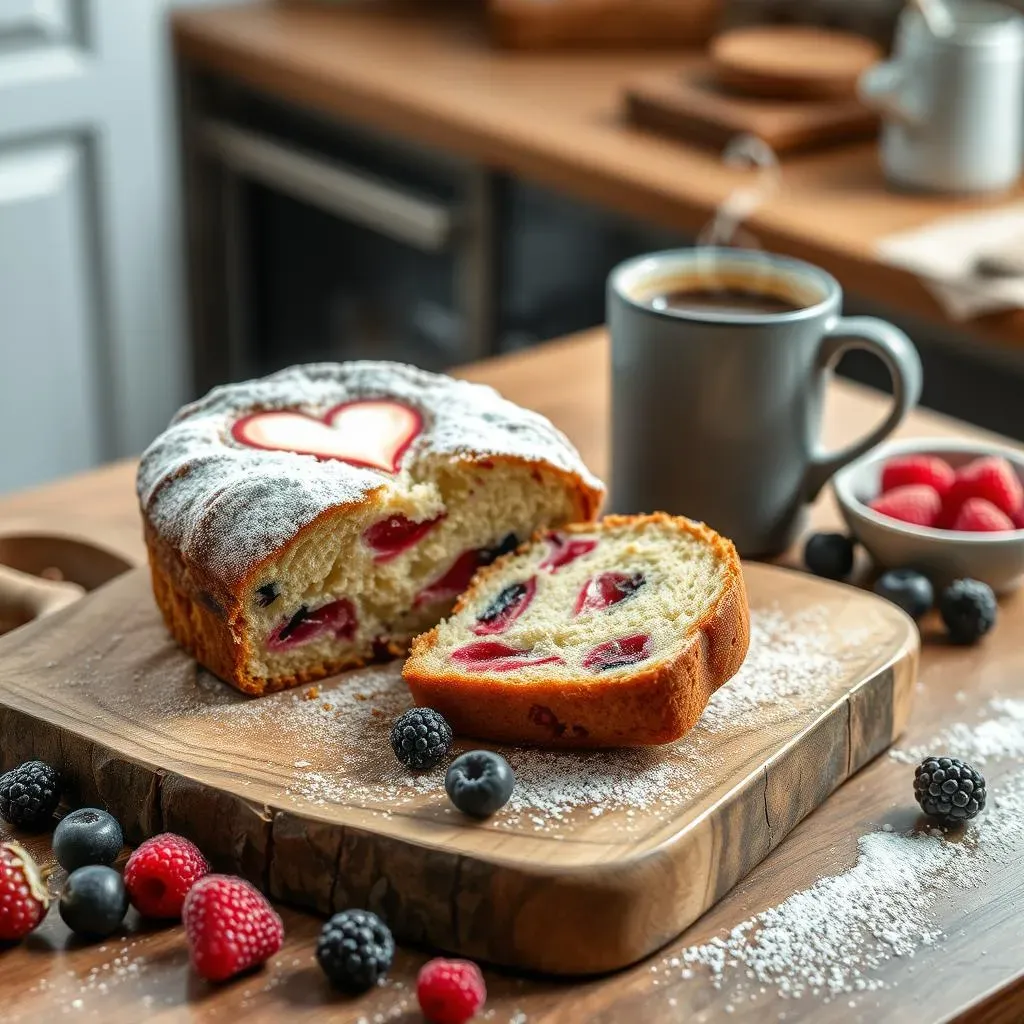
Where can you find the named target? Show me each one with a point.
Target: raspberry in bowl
(946, 507)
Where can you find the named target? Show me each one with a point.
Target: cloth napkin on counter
(973, 263)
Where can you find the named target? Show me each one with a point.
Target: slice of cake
(602, 634)
(303, 523)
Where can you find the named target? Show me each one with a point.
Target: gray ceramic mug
(716, 413)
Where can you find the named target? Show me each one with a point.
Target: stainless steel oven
(310, 240)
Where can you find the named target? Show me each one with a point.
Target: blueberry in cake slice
(304, 523)
(598, 634)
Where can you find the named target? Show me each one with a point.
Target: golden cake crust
(658, 705)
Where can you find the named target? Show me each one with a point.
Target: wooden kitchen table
(975, 972)
(425, 73)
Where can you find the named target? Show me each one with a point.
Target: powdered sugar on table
(833, 939)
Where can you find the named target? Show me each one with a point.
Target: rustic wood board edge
(527, 916)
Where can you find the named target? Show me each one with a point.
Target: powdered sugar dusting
(336, 736)
(835, 936)
(228, 506)
(992, 737)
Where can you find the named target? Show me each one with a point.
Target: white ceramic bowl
(944, 555)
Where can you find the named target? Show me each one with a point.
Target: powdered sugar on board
(339, 750)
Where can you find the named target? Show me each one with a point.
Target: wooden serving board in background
(690, 106)
(599, 859)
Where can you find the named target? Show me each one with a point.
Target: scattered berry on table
(355, 950)
(160, 872)
(918, 504)
(94, 901)
(450, 991)
(992, 478)
(907, 589)
(23, 896)
(421, 738)
(87, 836)
(29, 795)
(230, 927)
(969, 610)
(977, 515)
(949, 789)
(479, 783)
(932, 470)
(829, 555)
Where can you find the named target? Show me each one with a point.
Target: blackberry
(479, 783)
(949, 789)
(829, 555)
(907, 589)
(29, 795)
(968, 608)
(355, 950)
(421, 738)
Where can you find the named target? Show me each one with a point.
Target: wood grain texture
(691, 106)
(102, 683)
(431, 76)
(528, 25)
(41, 979)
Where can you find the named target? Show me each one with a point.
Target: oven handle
(332, 187)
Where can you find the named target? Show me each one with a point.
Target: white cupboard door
(91, 353)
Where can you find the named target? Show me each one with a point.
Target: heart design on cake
(372, 433)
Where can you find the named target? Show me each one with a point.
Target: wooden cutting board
(692, 106)
(599, 859)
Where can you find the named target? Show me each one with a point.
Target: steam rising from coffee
(745, 152)
(726, 230)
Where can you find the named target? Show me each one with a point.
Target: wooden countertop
(422, 72)
(975, 973)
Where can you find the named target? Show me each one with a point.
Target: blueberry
(829, 555)
(87, 836)
(969, 610)
(479, 783)
(94, 901)
(907, 589)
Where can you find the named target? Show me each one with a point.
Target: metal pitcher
(953, 105)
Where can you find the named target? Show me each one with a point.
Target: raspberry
(1018, 518)
(991, 478)
(23, 896)
(450, 991)
(230, 927)
(977, 515)
(916, 503)
(160, 873)
(918, 469)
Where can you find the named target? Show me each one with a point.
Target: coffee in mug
(720, 358)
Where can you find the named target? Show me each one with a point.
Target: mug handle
(897, 351)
